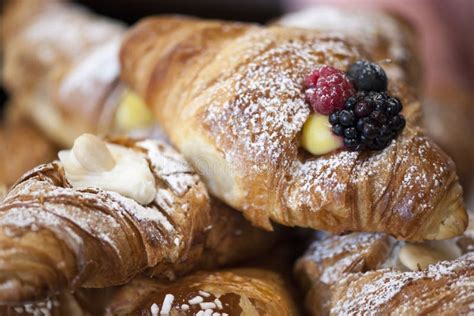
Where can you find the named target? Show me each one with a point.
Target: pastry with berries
(250, 107)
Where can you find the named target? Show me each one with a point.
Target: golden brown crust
(364, 272)
(241, 292)
(230, 97)
(55, 237)
(61, 67)
(22, 147)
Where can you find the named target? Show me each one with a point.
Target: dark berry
(350, 103)
(327, 89)
(393, 106)
(350, 132)
(338, 130)
(363, 109)
(367, 76)
(334, 118)
(397, 123)
(379, 117)
(366, 122)
(350, 143)
(370, 131)
(346, 118)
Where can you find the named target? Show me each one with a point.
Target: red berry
(327, 88)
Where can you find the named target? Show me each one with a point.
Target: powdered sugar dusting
(269, 109)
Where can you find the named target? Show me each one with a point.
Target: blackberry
(367, 76)
(369, 121)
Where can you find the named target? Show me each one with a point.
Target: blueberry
(350, 132)
(363, 109)
(338, 130)
(346, 118)
(367, 76)
(370, 131)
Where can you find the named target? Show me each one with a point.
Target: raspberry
(327, 89)
(369, 120)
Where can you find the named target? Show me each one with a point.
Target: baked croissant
(61, 67)
(371, 273)
(232, 292)
(230, 97)
(108, 211)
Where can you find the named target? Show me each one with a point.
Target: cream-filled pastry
(93, 163)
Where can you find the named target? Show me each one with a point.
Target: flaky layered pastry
(371, 273)
(61, 67)
(230, 97)
(232, 292)
(59, 230)
(60, 305)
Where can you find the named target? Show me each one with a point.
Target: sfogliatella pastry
(61, 67)
(230, 292)
(279, 130)
(107, 211)
(374, 274)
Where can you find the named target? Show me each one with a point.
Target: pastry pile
(190, 155)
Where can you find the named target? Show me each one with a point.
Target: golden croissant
(230, 98)
(245, 292)
(373, 273)
(108, 211)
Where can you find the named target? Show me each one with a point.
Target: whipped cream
(94, 163)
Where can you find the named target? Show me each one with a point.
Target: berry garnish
(369, 120)
(367, 76)
(327, 89)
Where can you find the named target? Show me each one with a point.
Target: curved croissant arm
(230, 97)
(61, 67)
(233, 292)
(387, 275)
(55, 236)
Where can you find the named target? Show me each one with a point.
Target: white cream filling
(407, 256)
(93, 163)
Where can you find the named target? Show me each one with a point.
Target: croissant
(108, 211)
(61, 68)
(229, 292)
(230, 97)
(371, 273)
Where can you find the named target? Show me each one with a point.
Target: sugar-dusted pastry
(107, 211)
(60, 305)
(387, 37)
(245, 292)
(372, 273)
(22, 147)
(237, 99)
(61, 67)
